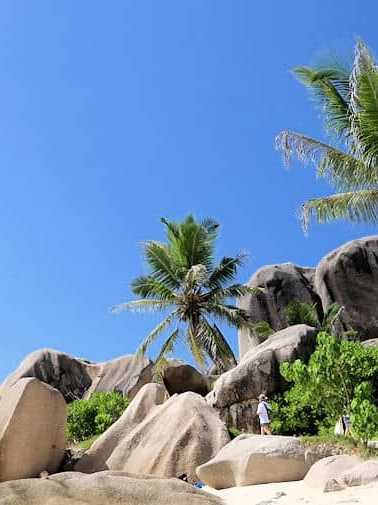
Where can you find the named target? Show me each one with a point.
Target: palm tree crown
(349, 101)
(185, 282)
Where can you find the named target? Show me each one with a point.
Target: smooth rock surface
(255, 459)
(179, 377)
(32, 425)
(105, 488)
(359, 475)
(349, 277)
(328, 469)
(95, 459)
(76, 378)
(177, 436)
(279, 285)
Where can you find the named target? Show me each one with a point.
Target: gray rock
(279, 285)
(253, 459)
(373, 342)
(76, 378)
(179, 377)
(110, 488)
(349, 277)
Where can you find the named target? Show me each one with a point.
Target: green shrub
(233, 432)
(324, 389)
(364, 413)
(87, 418)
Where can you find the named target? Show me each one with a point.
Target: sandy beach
(295, 493)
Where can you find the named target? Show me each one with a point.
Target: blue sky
(114, 114)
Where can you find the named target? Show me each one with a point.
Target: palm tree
(297, 312)
(349, 100)
(185, 282)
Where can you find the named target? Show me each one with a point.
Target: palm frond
(147, 287)
(215, 344)
(154, 334)
(162, 265)
(196, 347)
(144, 305)
(330, 86)
(233, 291)
(343, 170)
(225, 271)
(331, 315)
(358, 207)
(261, 329)
(230, 314)
(166, 349)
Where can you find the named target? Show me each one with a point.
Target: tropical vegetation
(341, 377)
(88, 418)
(193, 290)
(349, 104)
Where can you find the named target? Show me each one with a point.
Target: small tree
(364, 413)
(325, 387)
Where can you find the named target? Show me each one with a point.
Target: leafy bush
(87, 418)
(325, 388)
(364, 413)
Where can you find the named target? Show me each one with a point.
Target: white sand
(296, 493)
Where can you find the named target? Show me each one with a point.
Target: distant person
(183, 477)
(345, 419)
(263, 409)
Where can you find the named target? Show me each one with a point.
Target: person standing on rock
(263, 409)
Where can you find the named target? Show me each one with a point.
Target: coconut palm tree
(185, 282)
(349, 101)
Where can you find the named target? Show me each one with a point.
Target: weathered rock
(348, 276)
(328, 469)
(32, 424)
(253, 459)
(95, 459)
(259, 372)
(76, 378)
(63, 372)
(373, 342)
(176, 437)
(126, 374)
(279, 285)
(179, 377)
(359, 475)
(110, 488)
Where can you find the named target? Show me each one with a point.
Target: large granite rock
(373, 342)
(176, 437)
(236, 391)
(279, 285)
(95, 459)
(32, 425)
(328, 469)
(76, 378)
(179, 377)
(253, 459)
(110, 488)
(360, 475)
(349, 277)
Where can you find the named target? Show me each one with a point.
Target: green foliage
(87, 418)
(348, 100)
(324, 388)
(233, 432)
(364, 413)
(297, 312)
(186, 283)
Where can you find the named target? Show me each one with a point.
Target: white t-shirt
(262, 412)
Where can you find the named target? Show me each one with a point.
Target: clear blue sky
(114, 114)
